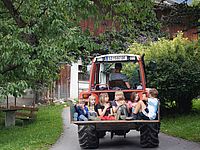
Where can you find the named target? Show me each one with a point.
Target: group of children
(118, 109)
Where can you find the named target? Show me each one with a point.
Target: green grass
(196, 104)
(40, 134)
(184, 126)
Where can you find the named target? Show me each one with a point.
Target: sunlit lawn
(40, 134)
(184, 126)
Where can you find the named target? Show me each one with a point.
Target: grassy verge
(37, 135)
(184, 126)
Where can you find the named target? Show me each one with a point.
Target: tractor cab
(105, 77)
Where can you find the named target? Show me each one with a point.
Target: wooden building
(177, 17)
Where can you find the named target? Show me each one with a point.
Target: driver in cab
(117, 75)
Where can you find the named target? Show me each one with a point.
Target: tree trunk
(14, 13)
(36, 96)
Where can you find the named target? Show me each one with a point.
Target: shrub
(178, 70)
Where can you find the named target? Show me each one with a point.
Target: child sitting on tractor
(81, 113)
(92, 115)
(146, 111)
(104, 107)
(119, 106)
(131, 104)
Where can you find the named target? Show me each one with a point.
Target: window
(83, 74)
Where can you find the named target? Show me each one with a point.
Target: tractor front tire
(88, 136)
(149, 135)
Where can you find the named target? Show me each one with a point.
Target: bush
(178, 70)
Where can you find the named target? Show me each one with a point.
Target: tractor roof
(117, 58)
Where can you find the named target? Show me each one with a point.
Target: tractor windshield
(117, 75)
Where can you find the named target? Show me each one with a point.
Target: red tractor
(89, 132)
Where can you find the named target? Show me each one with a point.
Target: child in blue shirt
(82, 111)
(146, 108)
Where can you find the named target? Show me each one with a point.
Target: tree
(195, 2)
(131, 21)
(137, 21)
(182, 15)
(36, 35)
(178, 70)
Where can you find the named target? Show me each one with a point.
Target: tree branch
(14, 13)
(10, 67)
(20, 5)
(29, 38)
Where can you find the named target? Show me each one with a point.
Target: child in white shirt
(149, 110)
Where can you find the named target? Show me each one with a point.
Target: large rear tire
(88, 136)
(149, 135)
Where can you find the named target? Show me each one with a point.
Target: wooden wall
(62, 87)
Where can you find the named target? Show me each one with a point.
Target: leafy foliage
(36, 35)
(182, 15)
(178, 70)
(195, 2)
(137, 22)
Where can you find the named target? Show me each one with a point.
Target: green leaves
(196, 3)
(137, 22)
(32, 53)
(36, 35)
(178, 69)
(14, 88)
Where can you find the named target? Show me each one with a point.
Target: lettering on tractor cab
(111, 57)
